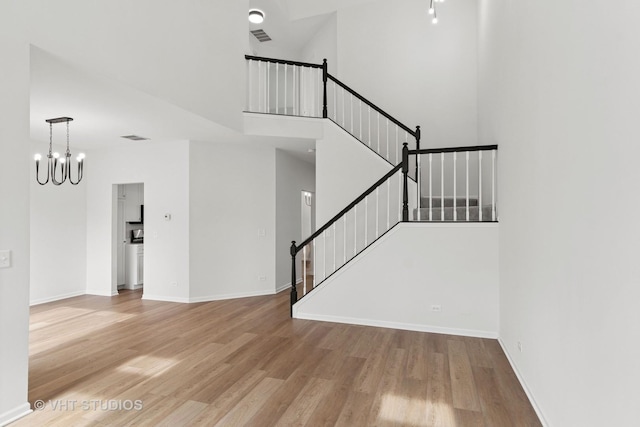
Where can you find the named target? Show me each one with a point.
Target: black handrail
(283, 61)
(453, 149)
(294, 249)
(372, 105)
(349, 207)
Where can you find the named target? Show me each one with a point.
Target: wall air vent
(261, 35)
(134, 137)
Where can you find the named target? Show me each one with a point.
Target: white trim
(231, 296)
(101, 293)
(14, 414)
(164, 298)
(56, 298)
(287, 286)
(397, 325)
(523, 384)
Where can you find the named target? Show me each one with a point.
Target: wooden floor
(245, 362)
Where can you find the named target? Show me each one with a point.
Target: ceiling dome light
(256, 16)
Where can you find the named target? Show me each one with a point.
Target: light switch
(5, 259)
(262, 232)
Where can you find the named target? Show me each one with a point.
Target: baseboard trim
(523, 384)
(287, 286)
(101, 293)
(231, 296)
(56, 298)
(15, 414)
(182, 300)
(396, 325)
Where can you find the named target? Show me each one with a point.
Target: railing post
(405, 189)
(325, 75)
(294, 291)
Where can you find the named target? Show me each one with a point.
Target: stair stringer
(398, 279)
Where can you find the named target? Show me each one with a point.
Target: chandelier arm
(79, 173)
(53, 175)
(38, 171)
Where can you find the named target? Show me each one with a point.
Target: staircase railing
(372, 214)
(381, 207)
(292, 88)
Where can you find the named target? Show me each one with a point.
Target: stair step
(436, 214)
(448, 202)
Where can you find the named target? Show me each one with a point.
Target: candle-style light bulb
(37, 157)
(431, 11)
(434, 20)
(56, 155)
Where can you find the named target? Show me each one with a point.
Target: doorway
(129, 237)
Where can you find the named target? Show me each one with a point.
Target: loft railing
(293, 88)
(457, 184)
(466, 193)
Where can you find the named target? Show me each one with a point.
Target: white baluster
(351, 108)
(285, 91)
(378, 131)
(441, 186)
(334, 246)
(355, 230)
(344, 239)
(419, 182)
(324, 255)
(387, 156)
(277, 88)
(430, 187)
(455, 186)
(366, 220)
(388, 203)
(493, 185)
(335, 103)
(314, 265)
(377, 212)
(360, 113)
(480, 186)
(304, 271)
(268, 97)
(369, 127)
(343, 108)
(467, 175)
(399, 197)
(397, 146)
(249, 97)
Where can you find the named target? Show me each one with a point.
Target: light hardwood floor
(245, 362)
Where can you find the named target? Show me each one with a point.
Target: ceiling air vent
(261, 35)
(134, 137)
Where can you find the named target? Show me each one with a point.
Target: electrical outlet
(174, 284)
(262, 278)
(436, 308)
(262, 232)
(520, 346)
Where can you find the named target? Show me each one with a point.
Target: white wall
(292, 177)
(232, 199)
(420, 73)
(58, 224)
(324, 44)
(560, 94)
(163, 168)
(397, 280)
(14, 214)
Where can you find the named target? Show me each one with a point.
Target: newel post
(405, 189)
(294, 291)
(418, 156)
(325, 75)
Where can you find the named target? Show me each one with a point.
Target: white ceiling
(104, 110)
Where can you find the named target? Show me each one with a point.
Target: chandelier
(54, 159)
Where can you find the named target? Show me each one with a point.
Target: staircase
(422, 185)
